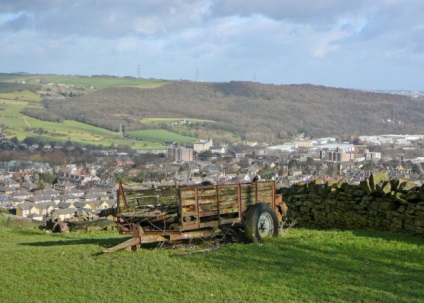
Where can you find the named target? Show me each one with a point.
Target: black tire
(261, 222)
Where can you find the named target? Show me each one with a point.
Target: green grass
(150, 121)
(303, 266)
(160, 135)
(96, 82)
(82, 133)
(21, 95)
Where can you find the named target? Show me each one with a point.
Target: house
(101, 205)
(64, 205)
(93, 197)
(9, 202)
(75, 192)
(244, 178)
(46, 208)
(49, 192)
(29, 186)
(97, 191)
(211, 169)
(202, 145)
(39, 199)
(26, 208)
(85, 205)
(12, 184)
(7, 190)
(64, 214)
(217, 149)
(294, 172)
(22, 195)
(70, 198)
(64, 186)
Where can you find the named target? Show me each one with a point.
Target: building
(180, 154)
(372, 156)
(202, 145)
(340, 156)
(303, 143)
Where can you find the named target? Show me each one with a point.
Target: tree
(416, 169)
(293, 164)
(14, 140)
(310, 162)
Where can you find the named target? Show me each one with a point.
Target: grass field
(160, 135)
(21, 95)
(149, 121)
(14, 98)
(18, 124)
(304, 265)
(98, 82)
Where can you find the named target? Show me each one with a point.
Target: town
(87, 186)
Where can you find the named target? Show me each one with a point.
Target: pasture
(160, 135)
(305, 265)
(86, 81)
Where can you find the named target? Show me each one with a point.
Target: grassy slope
(12, 102)
(98, 82)
(257, 111)
(160, 135)
(303, 266)
(61, 132)
(150, 121)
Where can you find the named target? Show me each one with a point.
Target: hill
(22, 114)
(90, 110)
(305, 265)
(254, 111)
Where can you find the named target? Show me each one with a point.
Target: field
(14, 97)
(97, 82)
(149, 121)
(159, 135)
(305, 265)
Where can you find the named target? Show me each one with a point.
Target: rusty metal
(122, 193)
(202, 210)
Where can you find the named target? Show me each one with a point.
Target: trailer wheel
(261, 222)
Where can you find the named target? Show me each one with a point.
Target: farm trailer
(170, 213)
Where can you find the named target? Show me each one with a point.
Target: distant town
(86, 184)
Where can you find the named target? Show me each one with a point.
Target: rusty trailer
(171, 213)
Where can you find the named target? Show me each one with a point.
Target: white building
(202, 145)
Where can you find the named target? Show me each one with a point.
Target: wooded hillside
(256, 112)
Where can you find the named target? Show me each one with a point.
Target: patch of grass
(149, 121)
(160, 135)
(303, 266)
(97, 82)
(21, 95)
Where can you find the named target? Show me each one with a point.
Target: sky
(360, 44)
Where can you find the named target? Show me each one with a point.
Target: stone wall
(376, 203)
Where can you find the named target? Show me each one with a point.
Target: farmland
(95, 82)
(305, 265)
(23, 92)
(160, 135)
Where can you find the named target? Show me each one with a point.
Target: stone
(365, 185)
(401, 198)
(387, 205)
(377, 178)
(407, 186)
(385, 188)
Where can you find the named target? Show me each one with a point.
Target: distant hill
(257, 112)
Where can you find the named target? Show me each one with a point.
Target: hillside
(23, 115)
(257, 112)
(305, 265)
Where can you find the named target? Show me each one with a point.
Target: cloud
(311, 41)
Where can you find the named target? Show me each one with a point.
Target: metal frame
(193, 228)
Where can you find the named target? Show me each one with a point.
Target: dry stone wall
(376, 203)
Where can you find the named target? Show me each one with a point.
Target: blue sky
(364, 44)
